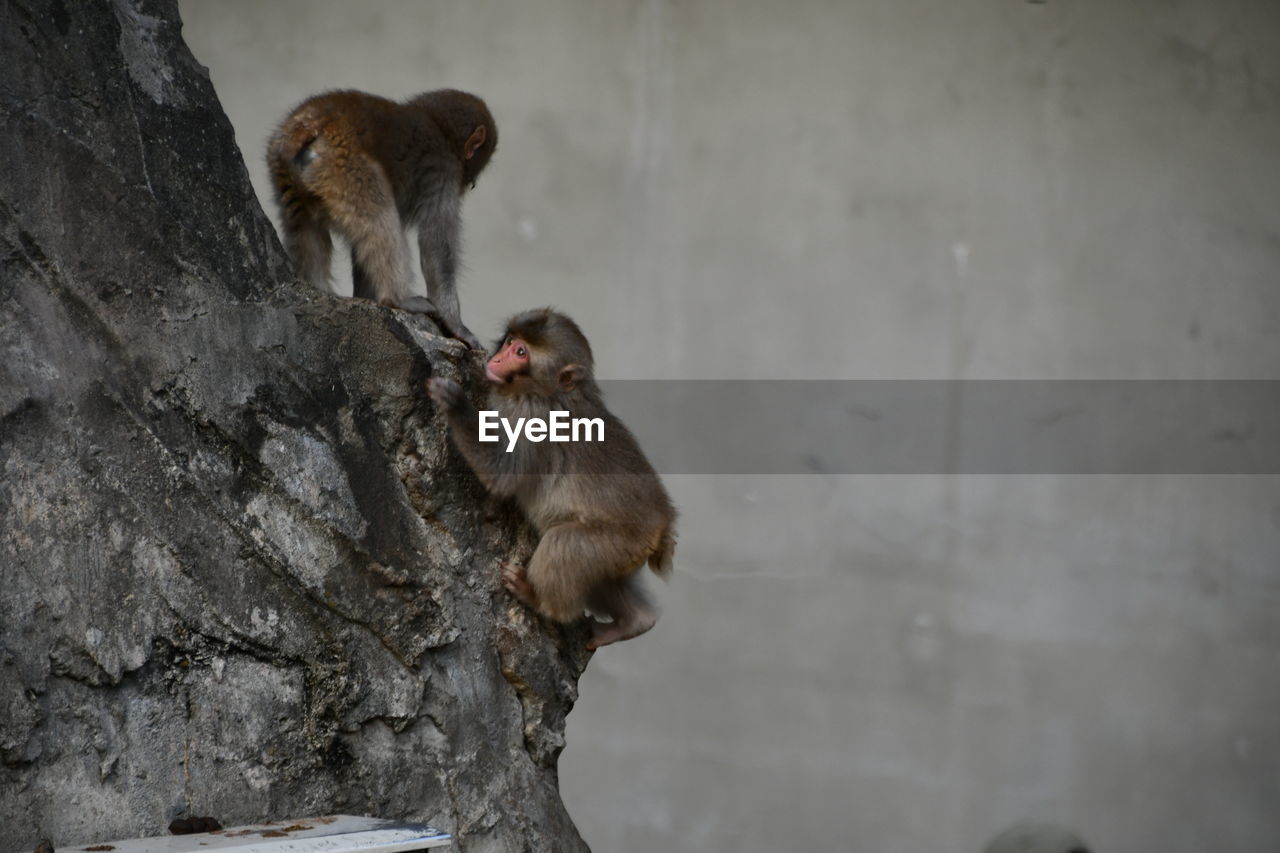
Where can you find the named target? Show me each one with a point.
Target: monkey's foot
(604, 633)
(420, 305)
(517, 583)
(464, 334)
(459, 332)
(423, 305)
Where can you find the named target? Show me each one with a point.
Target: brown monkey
(599, 506)
(370, 168)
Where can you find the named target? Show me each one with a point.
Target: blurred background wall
(883, 189)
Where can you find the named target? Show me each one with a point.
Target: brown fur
(600, 507)
(370, 168)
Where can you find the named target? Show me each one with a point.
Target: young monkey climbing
(599, 506)
(370, 169)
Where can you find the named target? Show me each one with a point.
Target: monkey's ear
(571, 375)
(473, 143)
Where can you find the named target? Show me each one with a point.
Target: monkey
(370, 169)
(599, 507)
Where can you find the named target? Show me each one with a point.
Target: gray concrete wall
(911, 189)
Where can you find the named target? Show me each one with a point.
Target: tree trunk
(244, 573)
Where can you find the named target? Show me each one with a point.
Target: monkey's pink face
(508, 362)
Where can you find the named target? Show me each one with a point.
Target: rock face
(243, 572)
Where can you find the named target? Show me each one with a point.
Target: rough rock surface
(243, 573)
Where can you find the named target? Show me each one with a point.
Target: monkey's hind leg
(307, 240)
(575, 560)
(362, 288)
(624, 601)
(302, 218)
(362, 208)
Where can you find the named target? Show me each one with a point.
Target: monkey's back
(336, 127)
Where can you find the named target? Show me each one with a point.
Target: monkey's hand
(445, 393)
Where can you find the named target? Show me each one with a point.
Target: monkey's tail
(290, 151)
(293, 147)
(660, 559)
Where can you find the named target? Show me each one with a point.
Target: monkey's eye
(521, 352)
